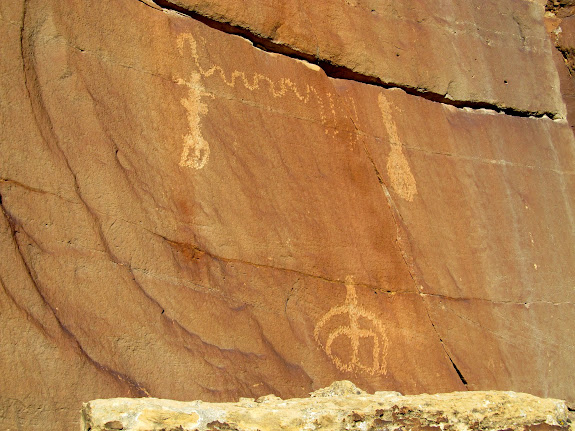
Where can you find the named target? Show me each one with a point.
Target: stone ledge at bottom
(341, 406)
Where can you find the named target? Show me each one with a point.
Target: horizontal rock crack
(342, 72)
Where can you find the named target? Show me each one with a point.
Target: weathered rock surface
(348, 409)
(560, 24)
(186, 216)
(493, 53)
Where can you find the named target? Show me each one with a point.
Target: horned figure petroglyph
(364, 327)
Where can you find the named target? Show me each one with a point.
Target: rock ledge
(341, 406)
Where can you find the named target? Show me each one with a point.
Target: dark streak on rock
(49, 137)
(136, 388)
(406, 256)
(458, 372)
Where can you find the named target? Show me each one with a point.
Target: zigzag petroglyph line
(196, 150)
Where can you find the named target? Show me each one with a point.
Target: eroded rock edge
(340, 71)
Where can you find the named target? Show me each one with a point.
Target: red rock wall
(560, 24)
(185, 215)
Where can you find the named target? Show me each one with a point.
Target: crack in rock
(339, 71)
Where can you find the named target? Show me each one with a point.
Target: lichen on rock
(340, 406)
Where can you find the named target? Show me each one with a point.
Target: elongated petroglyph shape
(398, 170)
(196, 151)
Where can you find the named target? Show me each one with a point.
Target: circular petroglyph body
(363, 331)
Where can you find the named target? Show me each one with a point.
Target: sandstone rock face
(501, 48)
(187, 216)
(348, 410)
(560, 24)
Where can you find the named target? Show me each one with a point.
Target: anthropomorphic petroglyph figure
(196, 150)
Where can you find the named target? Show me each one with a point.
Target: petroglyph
(364, 330)
(332, 108)
(196, 151)
(354, 117)
(257, 81)
(402, 180)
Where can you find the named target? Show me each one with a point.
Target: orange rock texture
(222, 199)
